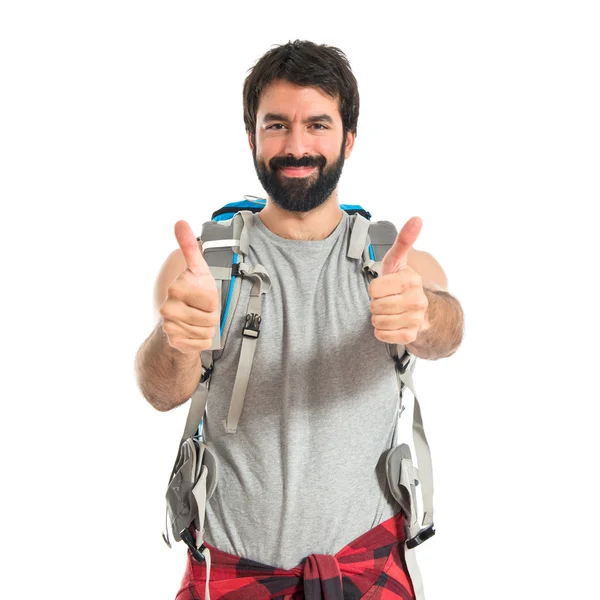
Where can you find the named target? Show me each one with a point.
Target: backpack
(224, 241)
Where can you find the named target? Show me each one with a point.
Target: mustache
(282, 162)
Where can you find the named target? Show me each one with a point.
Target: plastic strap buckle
(187, 537)
(206, 374)
(252, 327)
(402, 362)
(421, 537)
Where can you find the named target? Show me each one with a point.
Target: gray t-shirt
(304, 474)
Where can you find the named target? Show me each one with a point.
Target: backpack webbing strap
(403, 478)
(379, 237)
(358, 237)
(423, 452)
(382, 235)
(216, 240)
(199, 397)
(248, 223)
(195, 470)
(244, 223)
(250, 333)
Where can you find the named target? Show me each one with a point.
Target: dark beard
(299, 194)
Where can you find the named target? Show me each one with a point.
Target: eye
(275, 125)
(320, 125)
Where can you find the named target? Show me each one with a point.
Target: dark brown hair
(307, 64)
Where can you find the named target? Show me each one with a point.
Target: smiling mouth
(297, 171)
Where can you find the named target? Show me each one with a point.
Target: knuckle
(202, 334)
(208, 319)
(169, 328)
(175, 343)
(380, 321)
(205, 344)
(213, 302)
(174, 291)
(413, 333)
(209, 299)
(405, 337)
(374, 287)
(383, 335)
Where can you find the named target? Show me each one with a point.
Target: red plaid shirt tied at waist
(371, 567)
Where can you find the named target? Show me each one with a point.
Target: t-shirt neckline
(329, 240)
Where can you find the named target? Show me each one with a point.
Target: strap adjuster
(252, 327)
(186, 536)
(206, 374)
(403, 362)
(421, 537)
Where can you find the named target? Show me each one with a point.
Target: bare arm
(166, 377)
(444, 319)
(444, 327)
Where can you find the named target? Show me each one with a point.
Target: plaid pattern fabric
(371, 567)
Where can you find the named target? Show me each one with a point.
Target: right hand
(190, 310)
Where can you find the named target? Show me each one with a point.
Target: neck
(316, 224)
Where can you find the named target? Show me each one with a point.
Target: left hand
(399, 304)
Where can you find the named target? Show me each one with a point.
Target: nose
(297, 143)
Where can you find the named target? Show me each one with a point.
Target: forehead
(295, 101)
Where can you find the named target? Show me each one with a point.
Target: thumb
(190, 249)
(396, 258)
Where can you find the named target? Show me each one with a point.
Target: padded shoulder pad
(382, 235)
(217, 243)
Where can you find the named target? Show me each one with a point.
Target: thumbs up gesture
(190, 310)
(399, 303)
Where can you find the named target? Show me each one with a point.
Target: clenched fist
(399, 304)
(190, 311)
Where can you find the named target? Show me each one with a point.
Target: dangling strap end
(229, 428)
(165, 535)
(427, 519)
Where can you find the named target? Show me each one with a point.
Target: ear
(250, 140)
(350, 137)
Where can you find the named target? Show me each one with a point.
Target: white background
(119, 118)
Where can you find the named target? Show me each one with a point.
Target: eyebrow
(279, 117)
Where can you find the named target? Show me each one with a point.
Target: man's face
(300, 148)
